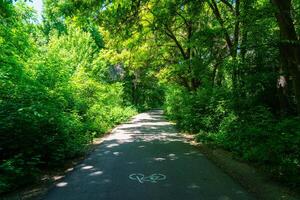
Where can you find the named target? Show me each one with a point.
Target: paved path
(146, 159)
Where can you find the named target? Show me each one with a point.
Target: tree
(289, 44)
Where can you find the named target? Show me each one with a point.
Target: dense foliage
(225, 70)
(229, 69)
(53, 101)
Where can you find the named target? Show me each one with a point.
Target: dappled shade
(148, 145)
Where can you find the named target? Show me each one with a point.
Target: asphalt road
(146, 159)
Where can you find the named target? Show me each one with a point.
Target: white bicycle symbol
(153, 178)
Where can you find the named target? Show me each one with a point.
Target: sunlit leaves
(55, 95)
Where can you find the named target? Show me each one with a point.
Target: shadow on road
(147, 145)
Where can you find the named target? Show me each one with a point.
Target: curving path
(146, 159)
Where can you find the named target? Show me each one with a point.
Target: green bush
(253, 133)
(51, 104)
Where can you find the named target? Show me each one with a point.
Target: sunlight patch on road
(96, 173)
(116, 153)
(143, 128)
(172, 156)
(62, 184)
(87, 167)
(106, 152)
(112, 145)
(159, 159)
(119, 136)
(70, 169)
(57, 177)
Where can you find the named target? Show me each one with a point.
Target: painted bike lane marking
(153, 178)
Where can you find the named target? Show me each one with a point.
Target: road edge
(253, 180)
(38, 190)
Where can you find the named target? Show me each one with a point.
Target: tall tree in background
(289, 44)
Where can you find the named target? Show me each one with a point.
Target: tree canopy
(226, 70)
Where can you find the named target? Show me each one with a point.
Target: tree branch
(214, 7)
(169, 33)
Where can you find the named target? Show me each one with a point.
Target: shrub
(253, 133)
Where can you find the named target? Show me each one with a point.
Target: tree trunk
(289, 44)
